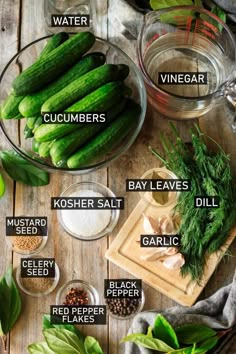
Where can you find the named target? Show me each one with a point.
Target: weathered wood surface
(21, 22)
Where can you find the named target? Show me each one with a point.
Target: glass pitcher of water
(69, 7)
(184, 41)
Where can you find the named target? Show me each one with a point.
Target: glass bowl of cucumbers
(71, 102)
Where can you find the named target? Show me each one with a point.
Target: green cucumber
(28, 133)
(10, 108)
(105, 141)
(100, 100)
(84, 85)
(53, 42)
(35, 146)
(31, 122)
(54, 64)
(31, 104)
(65, 146)
(38, 122)
(44, 149)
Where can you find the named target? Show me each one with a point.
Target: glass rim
(84, 283)
(133, 135)
(147, 77)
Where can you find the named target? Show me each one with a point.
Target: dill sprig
(202, 230)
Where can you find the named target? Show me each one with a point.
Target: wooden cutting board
(125, 252)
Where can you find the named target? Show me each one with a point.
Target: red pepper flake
(76, 297)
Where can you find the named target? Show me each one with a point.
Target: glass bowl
(20, 282)
(164, 174)
(93, 297)
(13, 129)
(10, 242)
(139, 309)
(95, 187)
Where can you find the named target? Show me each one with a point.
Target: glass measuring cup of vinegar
(187, 39)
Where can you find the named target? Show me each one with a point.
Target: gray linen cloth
(218, 312)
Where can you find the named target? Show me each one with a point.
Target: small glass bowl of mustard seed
(38, 287)
(125, 308)
(77, 293)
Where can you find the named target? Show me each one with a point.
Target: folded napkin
(218, 312)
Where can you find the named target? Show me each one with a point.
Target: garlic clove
(170, 251)
(153, 255)
(174, 262)
(167, 226)
(176, 221)
(150, 225)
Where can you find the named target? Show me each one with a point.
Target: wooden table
(21, 22)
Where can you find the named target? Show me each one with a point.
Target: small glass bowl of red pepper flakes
(77, 293)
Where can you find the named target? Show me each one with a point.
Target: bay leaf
(160, 197)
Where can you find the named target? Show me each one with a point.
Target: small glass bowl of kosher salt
(87, 222)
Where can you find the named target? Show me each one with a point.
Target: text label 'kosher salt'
(122, 288)
(26, 226)
(150, 185)
(75, 203)
(86, 314)
(37, 267)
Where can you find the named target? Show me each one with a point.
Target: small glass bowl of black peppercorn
(77, 293)
(126, 308)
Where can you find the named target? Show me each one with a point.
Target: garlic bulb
(174, 262)
(150, 225)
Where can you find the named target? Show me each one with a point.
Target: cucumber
(101, 100)
(31, 104)
(53, 43)
(31, 122)
(65, 146)
(37, 123)
(28, 133)
(35, 146)
(84, 85)
(54, 64)
(44, 149)
(10, 106)
(107, 139)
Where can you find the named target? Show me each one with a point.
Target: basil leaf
(149, 332)
(190, 333)
(47, 324)
(188, 350)
(10, 302)
(207, 344)
(23, 171)
(164, 331)
(62, 341)
(39, 348)
(2, 186)
(92, 346)
(147, 342)
(162, 4)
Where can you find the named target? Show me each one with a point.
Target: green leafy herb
(62, 341)
(147, 342)
(39, 348)
(92, 346)
(23, 171)
(208, 344)
(2, 186)
(160, 197)
(165, 332)
(210, 175)
(10, 303)
(187, 350)
(149, 332)
(219, 12)
(190, 333)
(162, 4)
(47, 325)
